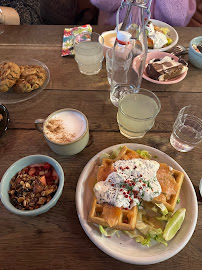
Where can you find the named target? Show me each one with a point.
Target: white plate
(172, 34)
(11, 97)
(122, 248)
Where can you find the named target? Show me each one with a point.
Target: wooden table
(56, 240)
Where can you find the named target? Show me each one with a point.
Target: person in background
(16, 12)
(9, 16)
(48, 12)
(173, 12)
(196, 20)
(68, 12)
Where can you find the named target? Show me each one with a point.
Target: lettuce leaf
(164, 210)
(139, 238)
(159, 238)
(108, 232)
(166, 217)
(115, 153)
(144, 241)
(144, 153)
(131, 234)
(165, 30)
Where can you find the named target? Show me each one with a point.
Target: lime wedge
(174, 224)
(163, 209)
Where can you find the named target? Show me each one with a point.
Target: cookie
(32, 77)
(9, 74)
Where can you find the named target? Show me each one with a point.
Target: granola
(33, 186)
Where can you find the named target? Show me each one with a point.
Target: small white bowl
(104, 34)
(18, 166)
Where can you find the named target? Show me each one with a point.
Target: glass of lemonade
(137, 113)
(88, 49)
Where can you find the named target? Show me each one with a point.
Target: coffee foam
(65, 126)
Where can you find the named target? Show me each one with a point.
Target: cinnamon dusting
(56, 132)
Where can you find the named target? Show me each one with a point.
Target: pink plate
(156, 54)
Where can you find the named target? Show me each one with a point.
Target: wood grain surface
(56, 240)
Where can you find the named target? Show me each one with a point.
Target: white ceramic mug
(65, 148)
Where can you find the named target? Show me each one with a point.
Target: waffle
(120, 218)
(126, 220)
(170, 204)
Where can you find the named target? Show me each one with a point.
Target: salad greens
(143, 233)
(144, 153)
(113, 155)
(108, 232)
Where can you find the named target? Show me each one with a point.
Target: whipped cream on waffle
(131, 182)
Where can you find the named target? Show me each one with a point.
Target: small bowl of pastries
(22, 79)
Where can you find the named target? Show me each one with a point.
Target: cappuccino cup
(66, 131)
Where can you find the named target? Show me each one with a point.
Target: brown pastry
(32, 77)
(165, 69)
(9, 74)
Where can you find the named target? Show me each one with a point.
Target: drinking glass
(137, 113)
(89, 52)
(187, 129)
(122, 61)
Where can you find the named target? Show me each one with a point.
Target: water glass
(122, 61)
(137, 113)
(88, 49)
(187, 129)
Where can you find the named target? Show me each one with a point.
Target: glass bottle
(130, 46)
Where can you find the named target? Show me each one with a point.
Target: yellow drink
(89, 56)
(136, 113)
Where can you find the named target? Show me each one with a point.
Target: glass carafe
(131, 43)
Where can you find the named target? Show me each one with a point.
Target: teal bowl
(194, 57)
(18, 166)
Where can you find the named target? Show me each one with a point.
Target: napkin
(69, 33)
